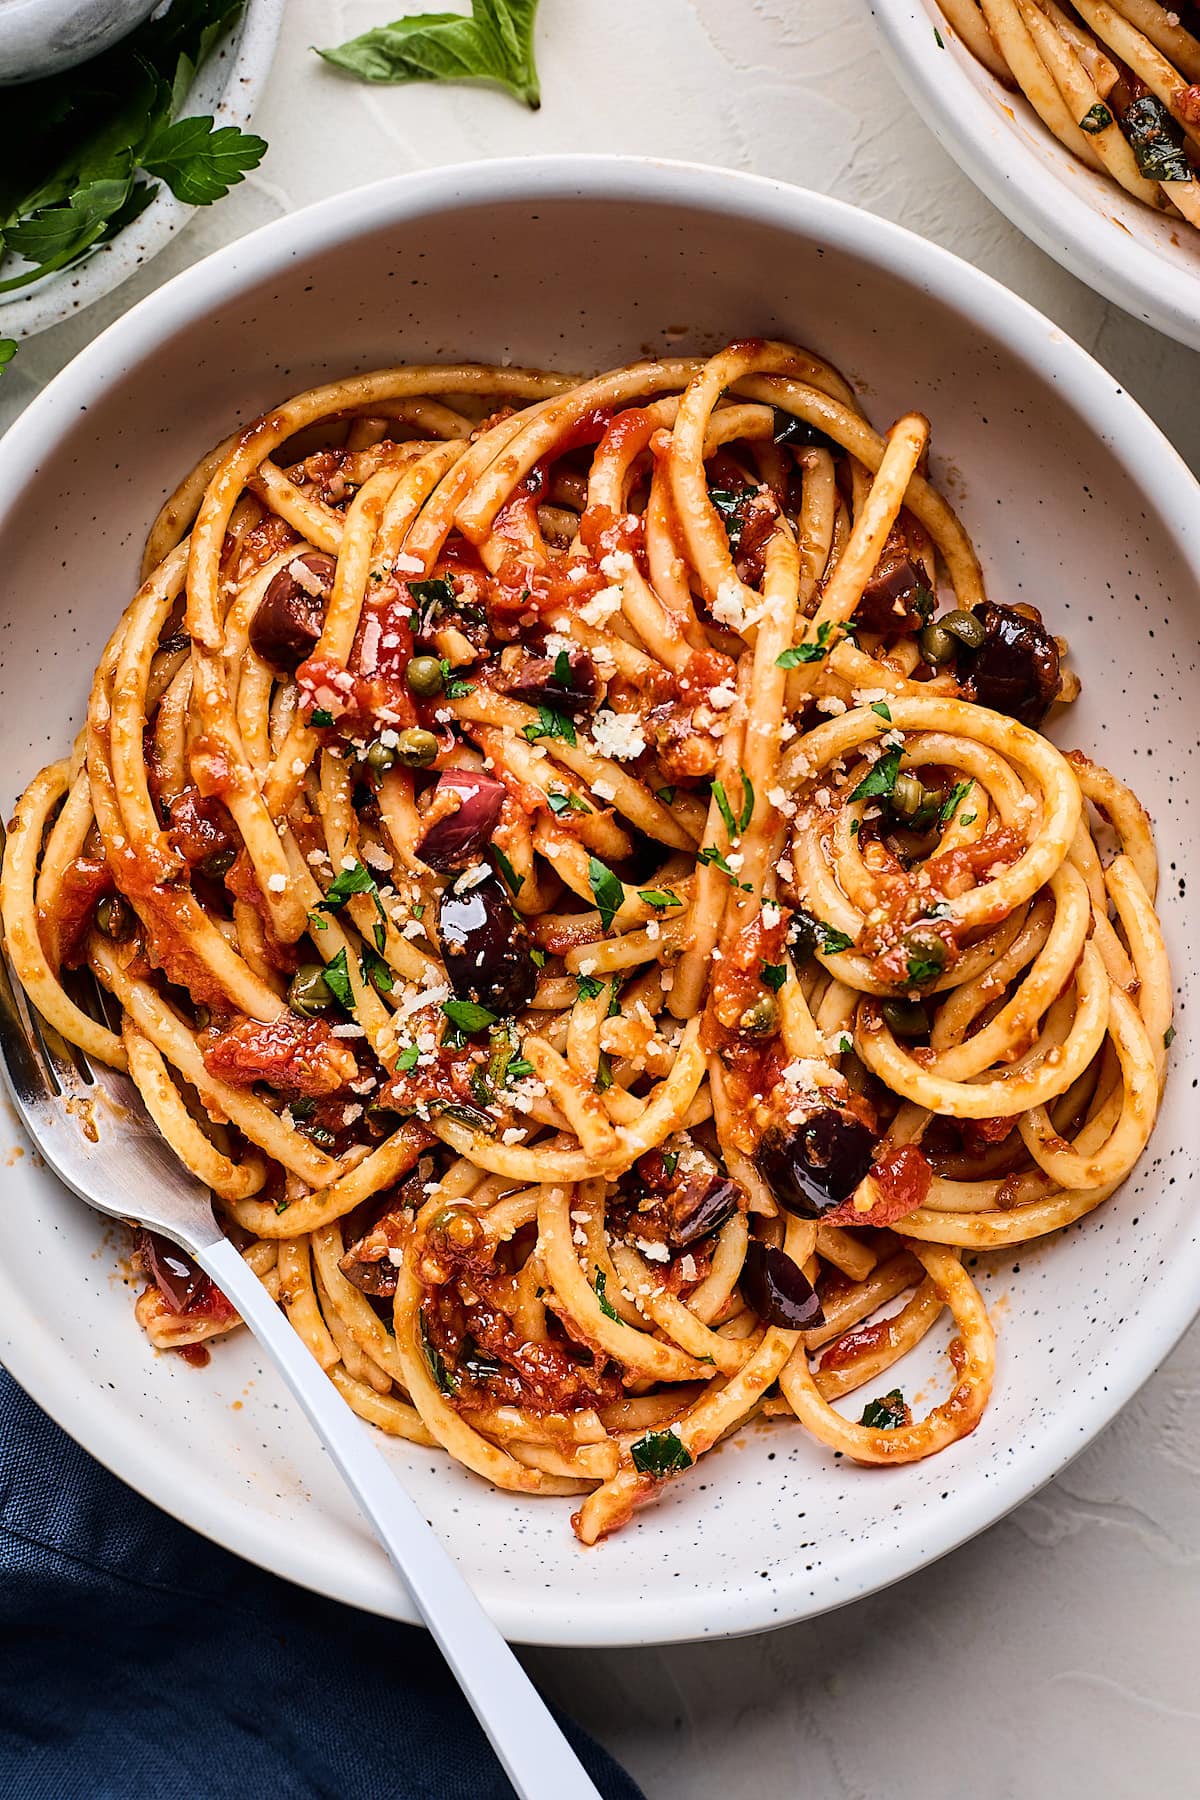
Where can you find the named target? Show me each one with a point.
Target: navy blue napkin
(137, 1660)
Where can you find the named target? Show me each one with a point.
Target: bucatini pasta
(582, 882)
(1118, 84)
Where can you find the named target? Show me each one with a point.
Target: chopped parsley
(880, 779)
(434, 592)
(881, 707)
(458, 690)
(348, 882)
(809, 934)
(434, 1359)
(604, 1076)
(468, 1016)
(321, 717)
(924, 968)
(815, 650)
(735, 823)
(774, 975)
(1097, 118)
(937, 38)
(659, 897)
(886, 1412)
(567, 803)
(588, 987)
(337, 980)
(550, 724)
(666, 795)
(954, 800)
(537, 957)
(608, 892)
(670, 1161)
(1168, 1037)
(728, 503)
(375, 970)
(606, 1305)
(514, 881)
(407, 1059)
(710, 854)
(660, 1453)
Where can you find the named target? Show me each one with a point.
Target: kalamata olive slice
(179, 1280)
(289, 618)
(779, 1292)
(813, 1166)
(539, 681)
(1015, 670)
(891, 600)
(486, 948)
(456, 839)
(701, 1207)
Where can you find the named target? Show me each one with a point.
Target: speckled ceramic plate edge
(62, 1379)
(1082, 219)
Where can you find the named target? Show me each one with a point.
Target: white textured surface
(1056, 1655)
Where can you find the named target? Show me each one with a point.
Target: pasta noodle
(581, 880)
(1118, 84)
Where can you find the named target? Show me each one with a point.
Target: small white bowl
(42, 37)
(1075, 500)
(1147, 262)
(227, 88)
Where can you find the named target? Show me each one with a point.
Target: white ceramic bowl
(227, 89)
(1075, 500)
(1146, 262)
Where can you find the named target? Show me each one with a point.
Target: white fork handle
(535, 1755)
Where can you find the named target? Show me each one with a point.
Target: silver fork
(89, 1124)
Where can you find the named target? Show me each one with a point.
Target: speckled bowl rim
(1073, 220)
(62, 1381)
(27, 311)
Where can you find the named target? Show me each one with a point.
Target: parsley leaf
(567, 803)
(880, 779)
(468, 1016)
(735, 823)
(881, 707)
(434, 592)
(808, 934)
(320, 717)
(200, 161)
(659, 1453)
(1168, 1037)
(670, 1161)
(515, 882)
(815, 650)
(728, 503)
(773, 974)
(710, 854)
(517, 1070)
(886, 1412)
(588, 987)
(337, 980)
(608, 892)
(550, 724)
(659, 897)
(433, 1357)
(924, 968)
(346, 883)
(458, 690)
(494, 44)
(606, 1305)
(604, 1078)
(1097, 118)
(537, 957)
(954, 800)
(376, 971)
(666, 795)
(724, 808)
(8, 349)
(407, 1059)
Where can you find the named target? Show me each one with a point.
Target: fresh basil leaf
(1097, 118)
(606, 1305)
(468, 1016)
(337, 980)
(659, 1453)
(886, 1412)
(773, 974)
(200, 161)
(880, 779)
(550, 724)
(1156, 140)
(514, 881)
(608, 892)
(494, 44)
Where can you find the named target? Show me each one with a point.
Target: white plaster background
(1056, 1657)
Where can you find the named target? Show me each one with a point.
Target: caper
(906, 1018)
(937, 645)
(218, 864)
(908, 796)
(114, 916)
(965, 627)
(416, 748)
(380, 757)
(309, 992)
(424, 676)
(924, 945)
(762, 1017)
(456, 1226)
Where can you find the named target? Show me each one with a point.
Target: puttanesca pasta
(579, 876)
(1116, 81)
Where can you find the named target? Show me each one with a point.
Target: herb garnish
(407, 1059)
(954, 800)
(773, 974)
(434, 1359)
(320, 717)
(337, 980)
(357, 880)
(881, 707)
(880, 779)
(728, 503)
(814, 651)
(550, 724)
(468, 1016)
(1097, 118)
(606, 1305)
(886, 1412)
(494, 44)
(588, 987)
(659, 1453)
(515, 882)
(710, 854)
(735, 824)
(567, 803)
(607, 891)
(659, 897)
(1156, 140)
